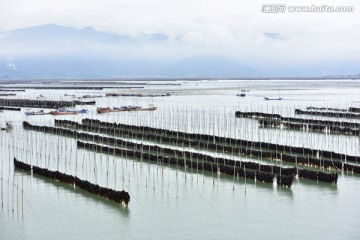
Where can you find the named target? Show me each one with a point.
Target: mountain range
(53, 51)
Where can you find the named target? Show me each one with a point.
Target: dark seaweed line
(303, 173)
(11, 90)
(282, 180)
(328, 114)
(279, 118)
(116, 196)
(268, 123)
(264, 155)
(54, 88)
(159, 150)
(350, 109)
(10, 109)
(245, 150)
(225, 141)
(41, 103)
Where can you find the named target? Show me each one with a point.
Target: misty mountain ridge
(53, 32)
(54, 51)
(50, 38)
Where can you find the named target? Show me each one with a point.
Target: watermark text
(282, 8)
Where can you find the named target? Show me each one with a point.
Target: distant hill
(354, 76)
(53, 51)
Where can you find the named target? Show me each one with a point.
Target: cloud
(232, 28)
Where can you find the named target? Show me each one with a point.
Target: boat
(91, 96)
(125, 109)
(40, 97)
(8, 126)
(112, 95)
(40, 112)
(278, 99)
(114, 109)
(242, 94)
(83, 111)
(138, 108)
(64, 111)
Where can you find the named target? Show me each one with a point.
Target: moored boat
(40, 112)
(64, 111)
(41, 97)
(8, 126)
(114, 109)
(125, 109)
(267, 99)
(137, 108)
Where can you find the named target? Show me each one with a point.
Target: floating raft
(116, 196)
(276, 120)
(191, 156)
(350, 109)
(269, 123)
(10, 109)
(244, 150)
(12, 90)
(328, 114)
(7, 94)
(208, 165)
(28, 103)
(66, 87)
(211, 141)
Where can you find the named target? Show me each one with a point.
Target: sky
(234, 28)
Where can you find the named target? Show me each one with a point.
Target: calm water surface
(177, 203)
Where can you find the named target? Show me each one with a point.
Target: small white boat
(40, 112)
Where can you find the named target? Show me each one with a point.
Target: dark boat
(125, 109)
(268, 99)
(114, 109)
(8, 127)
(40, 112)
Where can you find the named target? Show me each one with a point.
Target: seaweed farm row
(220, 142)
(350, 109)
(278, 117)
(116, 196)
(64, 88)
(243, 150)
(157, 154)
(328, 114)
(301, 124)
(282, 180)
(191, 156)
(10, 109)
(269, 123)
(41, 103)
(12, 90)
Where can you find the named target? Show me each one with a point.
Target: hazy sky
(233, 28)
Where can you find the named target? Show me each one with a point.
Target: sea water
(169, 202)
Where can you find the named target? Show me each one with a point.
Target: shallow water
(177, 203)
